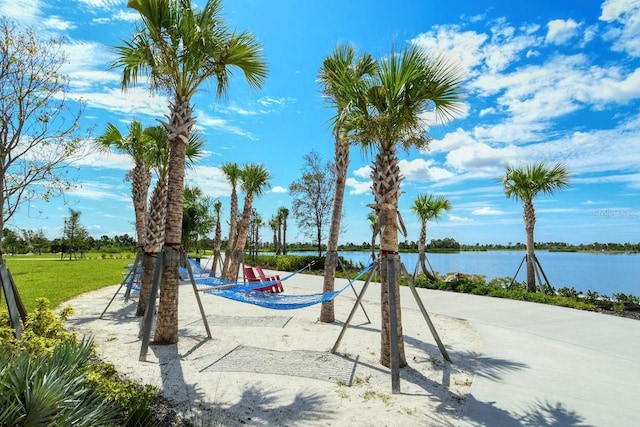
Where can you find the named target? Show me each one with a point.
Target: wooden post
(432, 328)
(195, 291)
(147, 320)
(393, 323)
(355, 307)
(14, 302)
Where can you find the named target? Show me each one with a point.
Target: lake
(604, 273)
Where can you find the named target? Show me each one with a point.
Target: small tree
(428, 207)
(313, 197)
(283, 214)
(196, 218)
(525, 183)
(254, 181)
(74, 234)
(37, 126)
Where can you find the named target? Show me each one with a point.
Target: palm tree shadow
(548, 414)
(541, 414)
(248, 410)
(255, 402)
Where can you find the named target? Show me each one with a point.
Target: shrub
(48, 378)
(42, 332)
(50, 389)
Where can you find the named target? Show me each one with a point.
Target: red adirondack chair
(277, 287)
(251, 277)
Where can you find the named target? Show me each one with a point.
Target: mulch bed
(631, 311)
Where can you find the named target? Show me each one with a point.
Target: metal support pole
(518, 270)
(393, 323)
(432, 328)
(355, 306)
(126, 279)
(541, 271)
(196, 293)
(344, 270)
(13, 299)
(147, 320)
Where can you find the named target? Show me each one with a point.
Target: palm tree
(427, 208)
(232, 172)
(181, 48)
(138, 145)
(255, 180)
(154, 233)
(524, 183)
(274, 224)
(217, 234)
(372, 217)
(340, 72)
(388, 114)
(283, 214)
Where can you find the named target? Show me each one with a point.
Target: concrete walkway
(544, 365)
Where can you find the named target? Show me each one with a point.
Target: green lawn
(60, 281)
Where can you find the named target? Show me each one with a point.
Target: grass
(60, 281)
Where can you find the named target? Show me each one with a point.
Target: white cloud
(102, 4)
(204, 120)
(463, 47)
(279, 189)
(100, 191)
(560, 31)
(626, 14)
(26, 12)
(54, 22)
(487, 211)
(210, 179)
(459, 219)
(423, 170)
(363, 172)
(486, 111)
(358, 187)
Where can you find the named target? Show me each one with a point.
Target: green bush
(50, 389)
(48, 378)
(42, 333)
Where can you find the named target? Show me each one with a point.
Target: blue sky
(552, 81)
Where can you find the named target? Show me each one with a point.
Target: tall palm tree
(138, 145)
(255, 180)
(154, 240)
(525, 183)
(428, 207)
(180, 49)
(232, 172)
(388, 115)
(217, 234)
(283, 214)
(340, 72)
(372, 217)
(274, 224)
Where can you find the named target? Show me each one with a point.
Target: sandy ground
(267, 367)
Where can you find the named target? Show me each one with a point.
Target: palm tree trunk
(154, 241)
(243, 232)
(422, 244)
(139, 191)
(386, 189)
(179, 130)
(327, 311)
(530, 221)
(233, 230)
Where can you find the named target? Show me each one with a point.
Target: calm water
(605, 273)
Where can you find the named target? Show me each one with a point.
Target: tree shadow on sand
(540, 414)
(250, 409)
